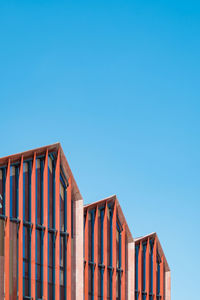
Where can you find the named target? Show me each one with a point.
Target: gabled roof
(121, 216)
(76, 195)
(160, 249)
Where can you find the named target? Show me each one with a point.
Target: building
(54, 248)
(38, 226)
(108, 252)
(152, 273)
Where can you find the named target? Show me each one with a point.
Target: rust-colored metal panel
(69, 199)
(57, 223)
(45, 197)
(2, 251)
(105, 225)
(33, 178)
(7, 232)
(140, 272)
(123, 257)
(155, 267)
(20, 234)
(114, 251)
(147, 269)
(13, 261)
(162, 278)
(96, 254)
(86, 257)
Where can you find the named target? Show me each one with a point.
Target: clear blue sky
(117, 83)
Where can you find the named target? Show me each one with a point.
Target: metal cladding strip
(155, 267)
(69, 199)
(123, 280)
(96, 254)
(57, 223)
(86, 256)
(105, 224)
(140, 272)
(147, 268)
(33, 235)
(114, 250)
(7, 233)
(45, 218)
(20, 234)
(162, 278)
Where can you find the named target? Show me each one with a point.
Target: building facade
(39, 197)
(108, 252)
(152, 273)
(54, 248)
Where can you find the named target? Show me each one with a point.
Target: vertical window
(14, 191)
(2, 190)
(2, 224)
(39, 263)
(63, 262)
(51, 266)
(108, 254)
(100, 253)
(27, 168)
(2, 259)
(144, 246)
(119, 270)
(39, 190)
(39, 229)
(51, 193)
(111, 252)
(51, 228)
(136, 271)
(26, 261)
(151, 269)
(92, 213)
(27, 191)
(63, 218)
(63, 239)
(158, 277)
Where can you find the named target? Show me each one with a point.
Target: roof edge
(151, 235)
(121, 215)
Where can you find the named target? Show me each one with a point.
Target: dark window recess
(144, 246)
(63, 267)
(39, 191)
(151, 268)
(2, 190)
(51, 193)
(14, 191)
(158, 277)
(51, 266)
(91, 262)
(27, 191)
(111, 254)
(2, 253)
(136, 271)
(39, 263)
(62, 206)
(101, 255)
(119, 263)
(26, 261)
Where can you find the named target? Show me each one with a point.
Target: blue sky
(117, 83)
